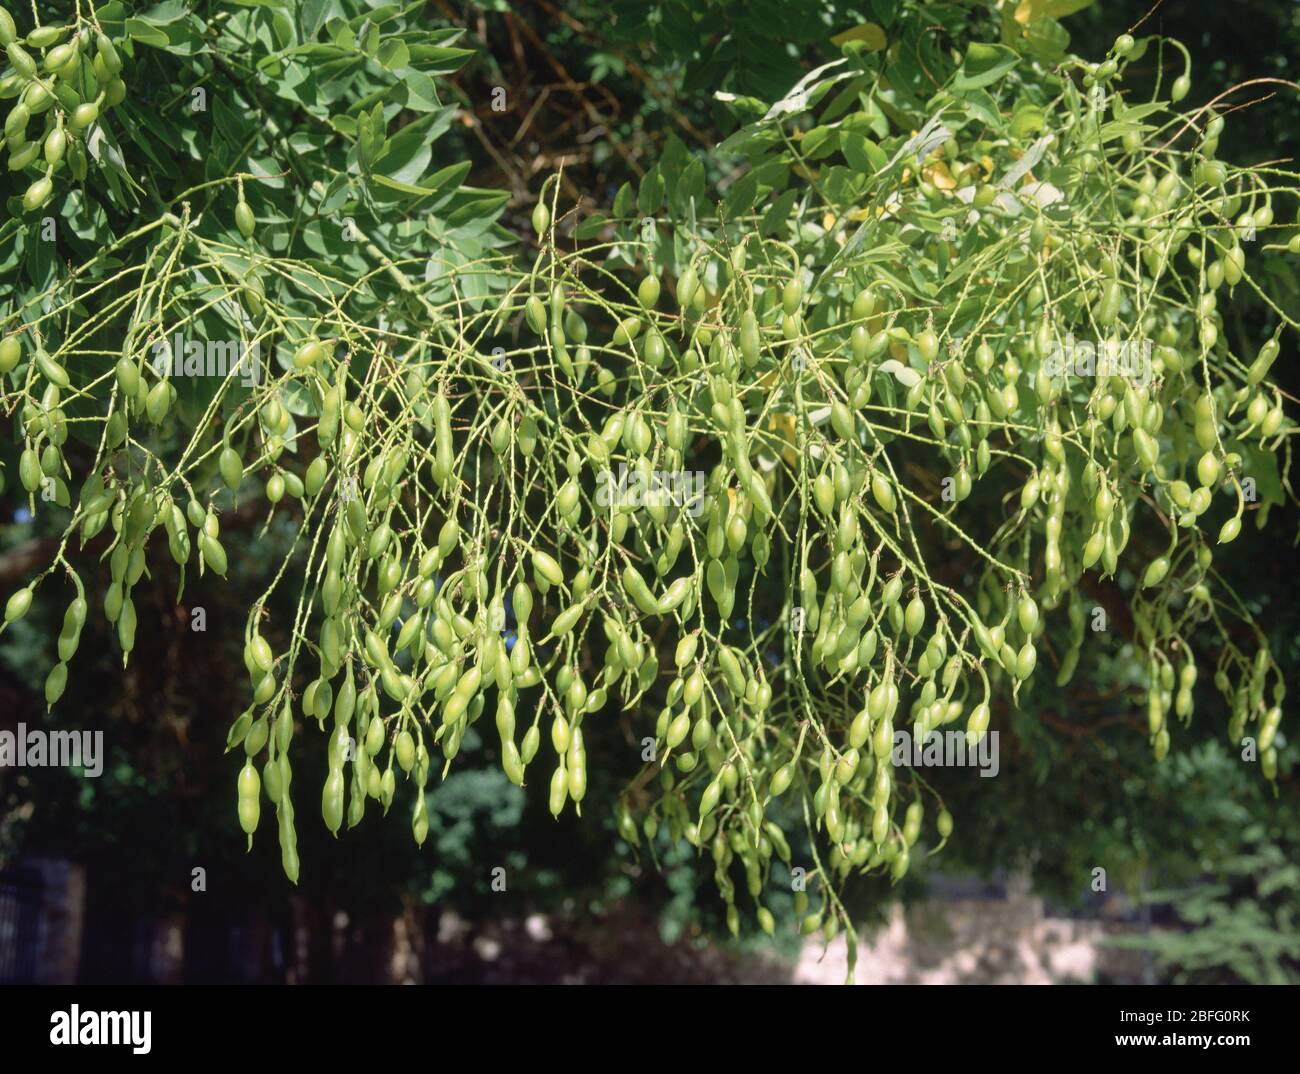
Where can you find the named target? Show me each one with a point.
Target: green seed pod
(51, 461)
(126, 623)
(792, 295)
(108, 53)
(332, 800)
(16, 123)
(257, 736)
(21, 60)
(328, 426)
(647, 292)
(273, 780)
(73, 620)
(314, 479)
(29, 470)
(559, 790)
(883, 493)
(546, 566)
(55, 682)
(214, 555)
(231, 467)
(535, 315)
(914, 616)
(1027, 613)
(541, 218)
(55, 145)
(781, 779)
(246, 223)
(18, 605)
(51, 370)
(84, 115)
(1207, 469)
(977, 724)
(1026, 658)
(158, 402)
(626, 331)
(11, 351)
(250, 790)
(750, 340)
(59, 57)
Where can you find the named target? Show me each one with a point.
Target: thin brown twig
(1191, 120)
(632, 67)
(592, 112)
(1154, 8)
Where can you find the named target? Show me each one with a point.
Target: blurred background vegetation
(601, 91)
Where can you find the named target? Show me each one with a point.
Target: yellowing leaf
(1030, 10)
(868, 33)
(784, 424)
(937, 175)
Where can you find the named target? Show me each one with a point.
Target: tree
(796, 447)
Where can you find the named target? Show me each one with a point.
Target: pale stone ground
(985, 941)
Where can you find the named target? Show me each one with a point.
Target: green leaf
(623, 200)
(778, 212)
(592, 226)
(370, 43)
(451, 175)
(672, 160)
(875, 155)
(984, 65)
(977, 104)
(408, 152)
(651, 195)
(1262, 466)
(854, 147)
(417, 91)
(689, 186)
(437, 60)
(166, 12)
(464, 205)
(394, 184)
(818, 143)
(742, 195)
(1026, 120)
(394, 54)
(139, 30)
(1047, 39)
(313, 14)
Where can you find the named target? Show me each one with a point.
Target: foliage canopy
(830, 433)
